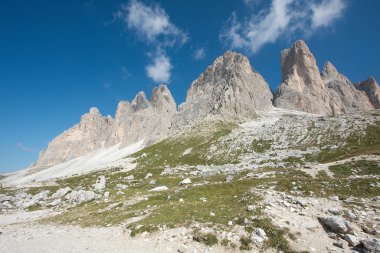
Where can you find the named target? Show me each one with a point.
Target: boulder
(100, 183)
(336, 224)
(61, 192)
(185, 181)
(80, 196)
(159, 188)
(371, 244)
(351, 239)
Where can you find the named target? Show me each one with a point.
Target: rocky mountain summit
(372, 89)
(92, 132)
(304, 88)
(230, 88)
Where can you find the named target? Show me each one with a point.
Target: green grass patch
(189, 148)
(356, 168)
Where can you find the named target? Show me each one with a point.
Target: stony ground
(284, 182)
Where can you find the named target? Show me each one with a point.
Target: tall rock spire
(304, 88)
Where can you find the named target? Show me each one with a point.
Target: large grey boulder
(228, 87)
(336, 224)
(61, 192)
(80, 196)
(372, 245)
(100, 183)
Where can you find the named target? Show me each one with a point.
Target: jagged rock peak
(304, 88)
(162, 99)
(372, 90)
(228, 87)
(94, 110)
(329, 71)
(140, 102)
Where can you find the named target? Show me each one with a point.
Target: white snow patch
(100, 159)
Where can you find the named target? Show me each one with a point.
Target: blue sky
(59, 58)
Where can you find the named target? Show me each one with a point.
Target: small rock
(339, 244)
(212, 214)
(351, 239)
(230, 223)
(106, 195)
(250, 208)
(181, 200)
(367, 230)
(159, 188)
(152, 182)
(229, 178)
(148, 175)
(100, 183)
(61, 192)
(185, 181)
(80, 196)
(129, 178)
(335, 211)
(260, 232)
(121, 186)
(120, 193)
(334, 198)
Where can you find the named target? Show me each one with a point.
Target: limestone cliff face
(344, 97)
(92, 132)
(230, 87)
(372, 90)
(144, 119)
(304, 88)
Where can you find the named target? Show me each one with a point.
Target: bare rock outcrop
(304, 88)
(344, 97)
(372, 89)
(229, 87)
(144, 119)
(92, 132)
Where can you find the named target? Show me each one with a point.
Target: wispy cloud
(151, 23)
(160, 69)
(25, 148)
(327, 12)
(199, 54)
(153, 26)
(284, 18)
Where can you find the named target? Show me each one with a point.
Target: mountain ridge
(230, 87)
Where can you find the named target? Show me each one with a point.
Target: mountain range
(230, 87)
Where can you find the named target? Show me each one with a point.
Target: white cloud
(25, 148)
(326, 12)
(160, 69)
(200, 53)
(151, 23)
(282, 19)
